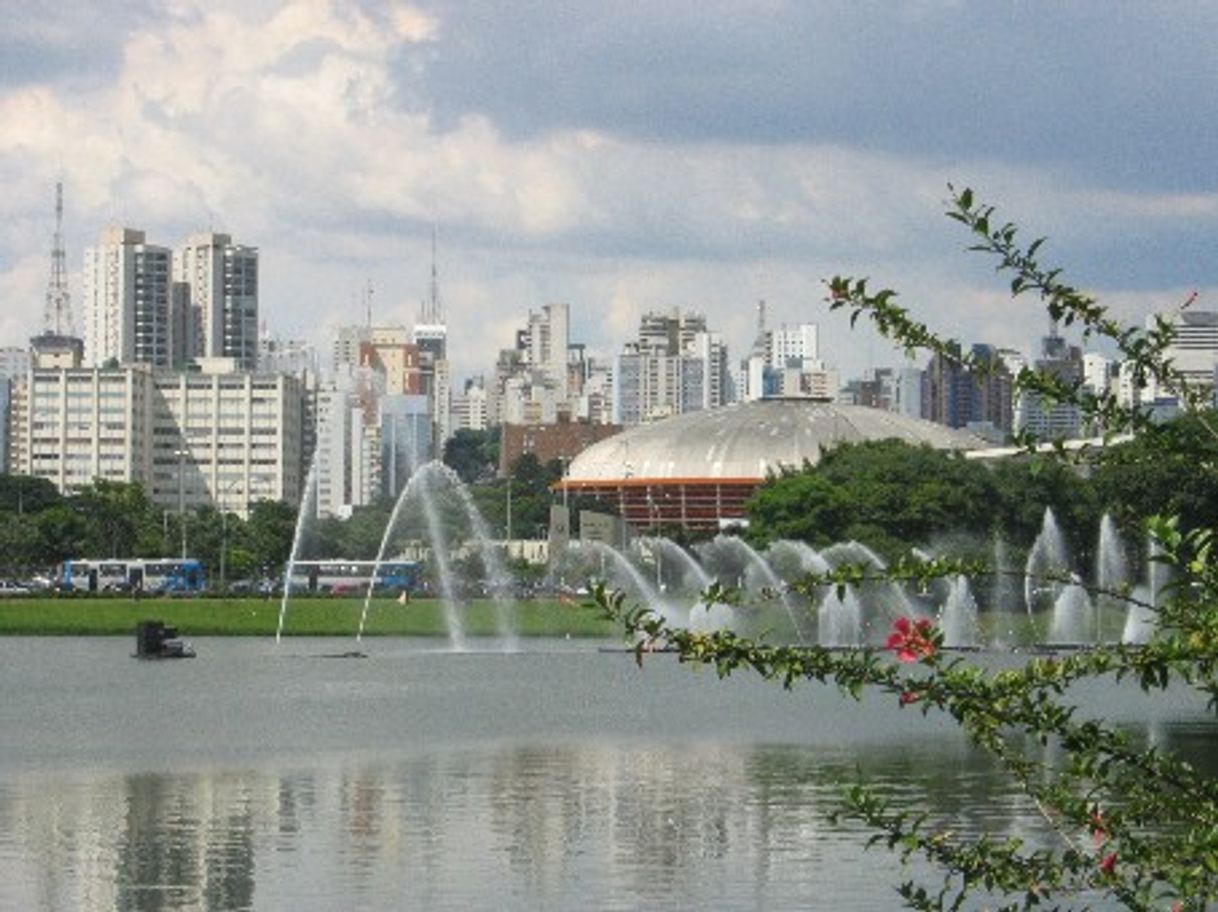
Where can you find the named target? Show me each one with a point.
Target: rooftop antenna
(760, 344)
(431, 309)
(57, 318)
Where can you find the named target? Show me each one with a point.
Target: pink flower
(908, 696)
(910, 640)
(1108, 863)
(1099, 830)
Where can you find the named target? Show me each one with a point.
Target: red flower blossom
(910, 640)
(1099, 829)
(908, 696)
(1108, 862)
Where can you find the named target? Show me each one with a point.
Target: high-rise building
(1064, 362)
(469, 409)
(219, 310)
(128, 301)
(1194, 350)
(675, 366)
(959, 396)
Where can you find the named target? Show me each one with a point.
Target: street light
(224, 531)
(181, 454)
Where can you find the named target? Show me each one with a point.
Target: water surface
(258, 777)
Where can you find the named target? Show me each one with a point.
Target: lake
(265, 777)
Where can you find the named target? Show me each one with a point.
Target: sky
(619, 157)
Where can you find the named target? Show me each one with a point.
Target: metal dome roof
(749, 439)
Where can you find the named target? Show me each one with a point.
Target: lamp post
(182, 454)
(224, 533)
(508, 529)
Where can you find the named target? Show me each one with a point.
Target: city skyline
(621, 160)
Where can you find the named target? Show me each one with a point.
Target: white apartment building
(786, 362)
(347, 452)
(192, 439)
(219, 311)
(675, 366)
(1194, 352)
(128, 301)
(470, 410)
(545, 342)
(286, 356)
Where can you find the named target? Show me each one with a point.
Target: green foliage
(886, 492)
(890, 495)
(473, 455)
(1136, 824)
(1173, 471)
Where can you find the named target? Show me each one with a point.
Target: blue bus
(339, 576)
(154, 574)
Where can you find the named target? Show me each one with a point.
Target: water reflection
(556, 780)
(558, 826)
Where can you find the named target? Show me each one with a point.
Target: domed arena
(697, 470)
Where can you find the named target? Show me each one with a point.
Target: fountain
(307, 496)
(958, 619)
(1141, 618)
(840, 619)
(1073, 617)
(1111, 573)
(755, 562)
(844, 615)
(1046, 560)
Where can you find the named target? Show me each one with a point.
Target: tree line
(892, 495)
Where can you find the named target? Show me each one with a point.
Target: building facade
(218, 299)
(190, 439)
(128, 301)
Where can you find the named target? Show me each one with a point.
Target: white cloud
(285, 125)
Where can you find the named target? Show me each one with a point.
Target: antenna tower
(57, 319)
(431, 309)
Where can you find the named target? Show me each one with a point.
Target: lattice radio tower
(58, 316)
(432, 309)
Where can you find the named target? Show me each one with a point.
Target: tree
(1149, 820)
(27, 494)
(886, 493)
(115, 514)
(1174, 471)
(269, 533)
(473, 455)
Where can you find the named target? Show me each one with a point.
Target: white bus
(156, 574)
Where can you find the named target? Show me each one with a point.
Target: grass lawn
(305, 617)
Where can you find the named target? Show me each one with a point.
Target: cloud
(616, 157)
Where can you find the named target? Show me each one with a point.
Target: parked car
(7, 588)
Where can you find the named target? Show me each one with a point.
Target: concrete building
(1193, 352)
(346, 456)
(286, 356)
(959, 395)
(785, 362)
(189, 439)
(470, 409)
(1060, 420)
(237, 437)
(545, 342)
(563, 440)
(218, 306)
(675, 366)
(128, 301)
(406, 442)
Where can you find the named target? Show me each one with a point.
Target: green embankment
(305, 617)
